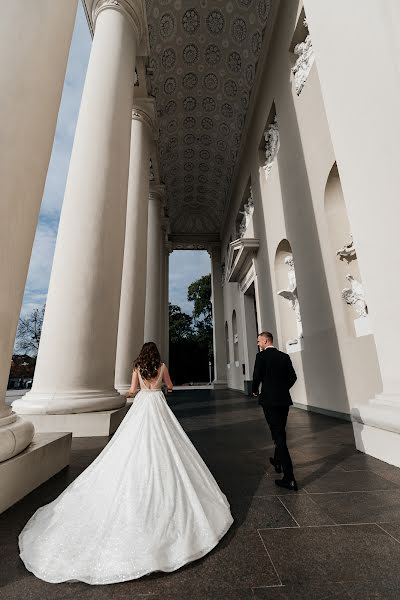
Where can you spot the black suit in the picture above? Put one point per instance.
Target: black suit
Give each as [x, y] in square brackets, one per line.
[274, 370]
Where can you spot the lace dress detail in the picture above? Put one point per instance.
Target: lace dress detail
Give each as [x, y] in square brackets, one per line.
[147, 503]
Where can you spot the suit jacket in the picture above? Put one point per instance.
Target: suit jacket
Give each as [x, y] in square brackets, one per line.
[274, 370]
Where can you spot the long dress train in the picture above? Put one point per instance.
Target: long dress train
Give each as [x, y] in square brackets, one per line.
[147, 503]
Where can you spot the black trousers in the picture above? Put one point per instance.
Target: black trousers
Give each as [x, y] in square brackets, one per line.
[276, 417]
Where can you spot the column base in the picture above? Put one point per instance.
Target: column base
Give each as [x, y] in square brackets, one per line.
[94, 424]
[15, 435]
[47, 455]
[219, 384]
[377, 430]
[123, 388]
[64, 403]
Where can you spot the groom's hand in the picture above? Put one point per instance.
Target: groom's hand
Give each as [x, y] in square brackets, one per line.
[255, 395]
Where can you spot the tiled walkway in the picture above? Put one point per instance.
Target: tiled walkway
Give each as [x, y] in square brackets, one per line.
[337, 538]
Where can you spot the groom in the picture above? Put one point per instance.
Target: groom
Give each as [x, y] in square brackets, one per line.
[274, 370]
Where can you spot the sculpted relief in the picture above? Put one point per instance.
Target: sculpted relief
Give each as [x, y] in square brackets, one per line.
[304, 62]
[247, 213]
[290, 294]
[272, 144]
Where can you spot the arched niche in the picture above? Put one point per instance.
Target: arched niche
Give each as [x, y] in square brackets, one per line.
[288, 301]
[344, 254]
[235, 339]
[227, 349]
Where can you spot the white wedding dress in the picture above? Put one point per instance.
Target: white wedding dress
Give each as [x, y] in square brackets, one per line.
[147, 503]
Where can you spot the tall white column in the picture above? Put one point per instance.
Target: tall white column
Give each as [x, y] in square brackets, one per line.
[76, 360]
[133, 290]
[34, 46]
[358, 66]
[152, 324]
[218, 319]
[166, 306]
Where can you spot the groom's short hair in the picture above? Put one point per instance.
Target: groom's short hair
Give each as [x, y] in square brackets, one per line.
[267, 335]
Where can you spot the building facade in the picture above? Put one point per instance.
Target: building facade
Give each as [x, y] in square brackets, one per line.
[264, 131]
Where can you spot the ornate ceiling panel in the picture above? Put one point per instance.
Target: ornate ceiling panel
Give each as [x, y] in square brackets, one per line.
[203, 59]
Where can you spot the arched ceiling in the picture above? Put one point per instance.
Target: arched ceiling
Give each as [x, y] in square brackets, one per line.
[203, 59]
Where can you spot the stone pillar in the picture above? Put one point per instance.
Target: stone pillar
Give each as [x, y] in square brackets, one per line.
[152, 324]
[218, 320]
[133, 290]
[166, 306]
[358, 67]
[76, 360]
[34, 46]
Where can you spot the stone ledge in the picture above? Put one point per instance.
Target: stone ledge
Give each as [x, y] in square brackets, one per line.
[47, 455]
[91, 424]
[377, 442]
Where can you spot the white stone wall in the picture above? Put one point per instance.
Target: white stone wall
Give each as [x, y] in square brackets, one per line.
[336, 369]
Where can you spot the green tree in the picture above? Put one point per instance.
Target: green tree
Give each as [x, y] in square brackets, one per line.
[180, 324]
[199, 292]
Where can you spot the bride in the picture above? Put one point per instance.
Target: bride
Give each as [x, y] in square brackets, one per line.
[147, 503]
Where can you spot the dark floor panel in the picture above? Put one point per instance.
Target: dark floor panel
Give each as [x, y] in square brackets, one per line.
[332, 553]
[361, 507]
[305, 511]
[355, 481]
[261, 513]
[325, 591]
[387, 589]
[394, 530]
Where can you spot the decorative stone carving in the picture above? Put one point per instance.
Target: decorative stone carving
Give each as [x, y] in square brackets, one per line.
[355, 297]
[304, 62]
[247, 214]
[290, 294]
[348, 252]
[151, 171]
[272, 144]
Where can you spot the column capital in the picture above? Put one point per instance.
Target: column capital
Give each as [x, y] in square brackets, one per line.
[144, 110]
[132, 9]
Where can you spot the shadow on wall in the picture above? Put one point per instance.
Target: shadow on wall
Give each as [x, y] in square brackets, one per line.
[323, 370]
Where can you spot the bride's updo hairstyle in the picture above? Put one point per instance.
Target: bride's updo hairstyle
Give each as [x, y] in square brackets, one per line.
[149, 361]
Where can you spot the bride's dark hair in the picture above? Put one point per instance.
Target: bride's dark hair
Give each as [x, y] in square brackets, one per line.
[149, 361]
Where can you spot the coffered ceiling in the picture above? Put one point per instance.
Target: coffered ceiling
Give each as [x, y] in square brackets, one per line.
[203, 59]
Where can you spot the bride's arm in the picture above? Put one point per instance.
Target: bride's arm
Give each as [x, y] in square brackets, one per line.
[134, 384]
[167, 379]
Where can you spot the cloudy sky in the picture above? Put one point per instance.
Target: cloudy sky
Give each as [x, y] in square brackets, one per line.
[185, 266]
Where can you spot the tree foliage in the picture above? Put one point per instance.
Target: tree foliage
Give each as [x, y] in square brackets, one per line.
[199, 292]
[29, 332]
[180, 324]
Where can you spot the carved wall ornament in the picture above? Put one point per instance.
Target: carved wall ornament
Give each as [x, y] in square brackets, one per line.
[151, 171]
[355, 296]
[272, 144]
[348, 252]
[247, 214]
[304, 62]
[290, 294]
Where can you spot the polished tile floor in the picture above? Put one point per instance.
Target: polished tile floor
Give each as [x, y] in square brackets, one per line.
[338, 537]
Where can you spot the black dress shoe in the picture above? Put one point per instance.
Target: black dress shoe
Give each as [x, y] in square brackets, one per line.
[275, 464]
[289, 484]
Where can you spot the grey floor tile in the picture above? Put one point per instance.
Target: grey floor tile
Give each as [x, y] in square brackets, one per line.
[261, 513]
[331, 553]
[316, 591]
[393, 529]
[355, 481]
[374, 589]
[363, 462]
[305, 511]
[361, 507]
